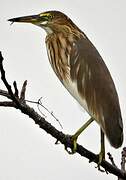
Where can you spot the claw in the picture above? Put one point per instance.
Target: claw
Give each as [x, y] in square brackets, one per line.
[74, 137]
[101, 158]
[73, 142]
[99, 164]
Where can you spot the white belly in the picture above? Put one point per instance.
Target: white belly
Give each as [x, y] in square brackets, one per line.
[72, 88]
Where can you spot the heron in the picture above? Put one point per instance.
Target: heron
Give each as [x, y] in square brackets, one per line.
[81, 69]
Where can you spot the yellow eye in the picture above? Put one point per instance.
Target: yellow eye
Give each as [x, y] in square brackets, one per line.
[50, 16]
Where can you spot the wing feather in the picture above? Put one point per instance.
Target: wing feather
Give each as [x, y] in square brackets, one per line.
[96, 87]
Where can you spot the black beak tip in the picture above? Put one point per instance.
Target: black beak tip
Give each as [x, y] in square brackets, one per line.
[9, 20]
[13, 20]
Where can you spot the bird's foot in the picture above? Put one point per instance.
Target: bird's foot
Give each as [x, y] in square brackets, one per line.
[73, 142]
[73, 138]
[101, 157]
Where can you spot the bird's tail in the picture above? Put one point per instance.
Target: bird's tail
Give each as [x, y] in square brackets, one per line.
[114, 131]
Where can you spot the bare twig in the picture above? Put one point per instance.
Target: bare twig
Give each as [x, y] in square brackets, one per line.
[5, 94]
[61, 137]
[3, 76]
[39, 103]
[15, 88]
[10, 92]
[23, 91]
[111, 159]
[38, 106]
[123, 161]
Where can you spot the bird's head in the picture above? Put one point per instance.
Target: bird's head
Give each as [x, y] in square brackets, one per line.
[51, 21]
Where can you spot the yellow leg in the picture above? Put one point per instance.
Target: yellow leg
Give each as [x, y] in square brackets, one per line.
[102, 151]
[75, 136]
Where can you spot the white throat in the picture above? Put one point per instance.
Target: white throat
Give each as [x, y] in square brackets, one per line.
[46, 28]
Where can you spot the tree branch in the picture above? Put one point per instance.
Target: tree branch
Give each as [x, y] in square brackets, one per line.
[5, 94]
[7, 104]
[19, 103]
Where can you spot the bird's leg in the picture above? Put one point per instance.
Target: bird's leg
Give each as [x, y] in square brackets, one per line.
[102, 151]
[75, 136]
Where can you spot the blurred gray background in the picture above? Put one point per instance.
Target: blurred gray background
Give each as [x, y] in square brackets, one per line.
[26, 151]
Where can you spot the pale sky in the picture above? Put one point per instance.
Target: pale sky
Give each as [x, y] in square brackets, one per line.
[26, 151]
